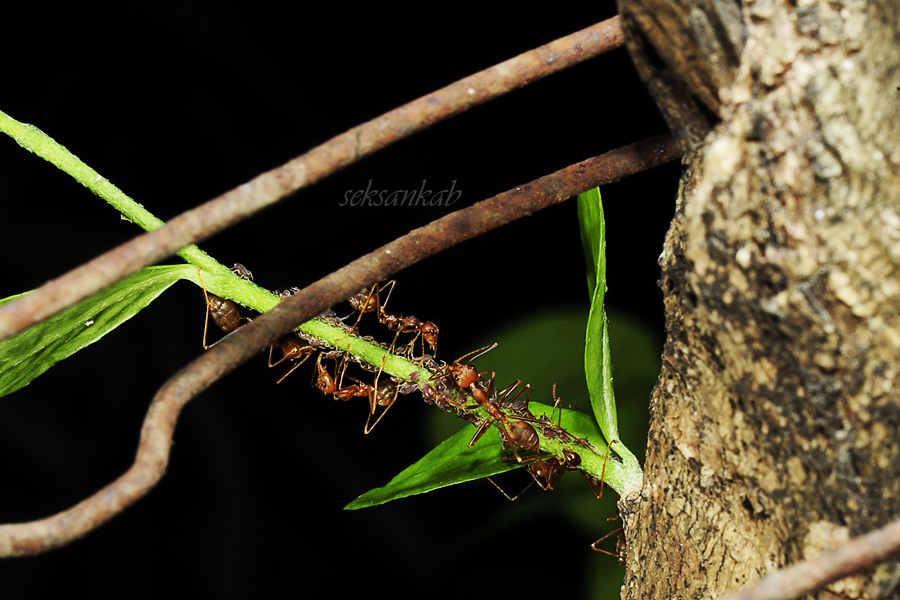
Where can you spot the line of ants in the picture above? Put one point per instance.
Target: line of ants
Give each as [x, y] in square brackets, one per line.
[450, 386]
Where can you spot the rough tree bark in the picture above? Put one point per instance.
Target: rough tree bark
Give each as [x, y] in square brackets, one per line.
[775, 418]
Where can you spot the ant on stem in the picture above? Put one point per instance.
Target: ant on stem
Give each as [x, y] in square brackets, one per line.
[327, 385]
[384, 394]
[226, 314]
[408, 324]
[572, 460]
[514, 433]
[291, 346]
[546, 471]
[291, 349]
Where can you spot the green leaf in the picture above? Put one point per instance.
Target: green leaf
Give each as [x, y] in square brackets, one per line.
[449, 463]
[593, 239]
[597, 364]
[597, 360]
[29, 354]
[452, 461]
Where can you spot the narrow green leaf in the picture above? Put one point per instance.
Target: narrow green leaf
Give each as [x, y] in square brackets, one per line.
[29, 354]
[593, 239]
[597, 364]
[449, 463]
[452, 461]
[597, 360]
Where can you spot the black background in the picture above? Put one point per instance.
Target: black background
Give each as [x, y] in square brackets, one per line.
[180, 101]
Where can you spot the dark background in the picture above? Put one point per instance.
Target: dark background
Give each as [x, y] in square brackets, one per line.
[180, 101]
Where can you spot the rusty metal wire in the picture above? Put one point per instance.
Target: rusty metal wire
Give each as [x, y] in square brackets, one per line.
[326, 159]
[159, 425]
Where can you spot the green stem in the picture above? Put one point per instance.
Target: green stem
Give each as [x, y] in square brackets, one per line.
[216, 278]
[221, 281]
[36, 141]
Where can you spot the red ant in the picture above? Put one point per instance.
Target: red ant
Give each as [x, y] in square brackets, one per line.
[547, 471]
[327, 385]
[408, 324]
[362, 303]
[292, 349]
[515, 433]
[291, 346]
[384, 394]
[518, 433]
[226, 313]
[551, 472]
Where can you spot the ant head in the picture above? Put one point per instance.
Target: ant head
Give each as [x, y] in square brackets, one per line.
[464, 375]
[430, 333]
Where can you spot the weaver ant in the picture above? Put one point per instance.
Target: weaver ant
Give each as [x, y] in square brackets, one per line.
[327, 385]
[293, 349]
[363, 302]
[383, 394]
[516, 433]
[545, 471]
[551, 470]
[226, 314]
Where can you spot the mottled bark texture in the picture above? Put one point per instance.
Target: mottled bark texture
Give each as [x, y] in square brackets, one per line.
[775, 426]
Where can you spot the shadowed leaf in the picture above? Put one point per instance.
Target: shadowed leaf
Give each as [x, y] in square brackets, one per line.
[452, 461]
[27, 355]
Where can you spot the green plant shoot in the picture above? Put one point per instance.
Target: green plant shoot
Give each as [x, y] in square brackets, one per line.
[597, 360]
[24, 357]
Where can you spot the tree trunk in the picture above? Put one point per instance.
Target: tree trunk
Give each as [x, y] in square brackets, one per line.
[774, 423]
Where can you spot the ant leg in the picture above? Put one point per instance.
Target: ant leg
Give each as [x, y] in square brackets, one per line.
[225, 313]
[482, 428]
[610, 534]
[296, 365]
[387, 407]
[382, 316]
[364, 308]
[592, 481]
[275, 364]
[374, 401]
[292, 349]
[390, 348]
[504, 399]
[508, 497]
[206, 298]
[344, 364]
